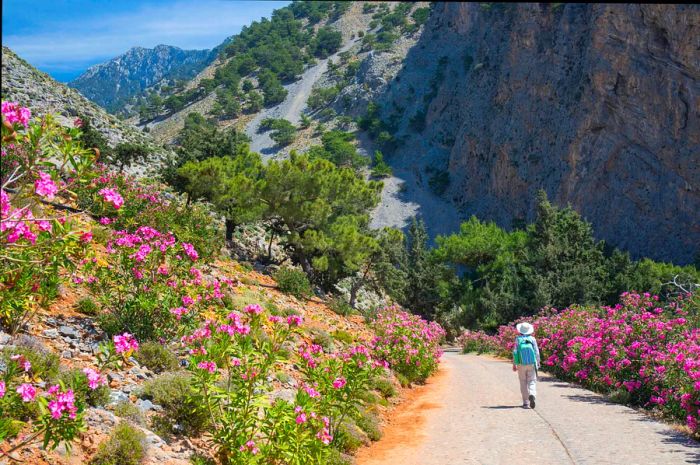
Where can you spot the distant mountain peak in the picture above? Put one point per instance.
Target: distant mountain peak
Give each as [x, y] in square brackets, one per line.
[117, 82]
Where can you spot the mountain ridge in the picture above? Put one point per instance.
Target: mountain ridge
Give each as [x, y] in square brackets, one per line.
[116, 83]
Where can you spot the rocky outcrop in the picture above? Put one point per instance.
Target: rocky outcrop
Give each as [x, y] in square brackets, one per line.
[114, 83]
[596, 104]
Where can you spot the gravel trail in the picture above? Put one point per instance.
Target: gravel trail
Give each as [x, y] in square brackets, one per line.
[291, 108]
[470, 414]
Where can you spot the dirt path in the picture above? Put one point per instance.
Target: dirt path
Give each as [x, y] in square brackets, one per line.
[470, 414]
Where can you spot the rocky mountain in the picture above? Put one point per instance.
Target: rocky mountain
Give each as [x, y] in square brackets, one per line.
[23, 83]
[485, 104]
[115, 83]
[596, 104]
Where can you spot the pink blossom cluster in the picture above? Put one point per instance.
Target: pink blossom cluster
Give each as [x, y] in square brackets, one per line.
[125, 343]
[62, 402]
[95, 379]
[640, 346]
[20, 223]
[44, 186]
[250, 446]
[13, 113]
[110, 195]
[408, 343]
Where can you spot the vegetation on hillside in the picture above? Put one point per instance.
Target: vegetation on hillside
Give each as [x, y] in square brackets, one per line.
[145, 259]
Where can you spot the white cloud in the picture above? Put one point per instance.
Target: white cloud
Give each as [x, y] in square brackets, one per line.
[186, 24]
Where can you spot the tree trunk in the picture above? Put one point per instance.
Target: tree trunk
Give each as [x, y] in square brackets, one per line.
[354, 289]
[269, 246]
[230, 228]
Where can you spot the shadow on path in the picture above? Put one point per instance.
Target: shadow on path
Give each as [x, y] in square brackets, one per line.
[501, 407]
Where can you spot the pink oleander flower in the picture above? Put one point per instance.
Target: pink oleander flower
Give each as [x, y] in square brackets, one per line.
[95, 379]
[22, 362]
[64, 402]
[78, 123]
[190, 251]
[27, 391]
[339, 383]
[112, 196]
[4, 204]
[253, 309]
[44, 186]
[295, 320]
[105, 221]
[313, 393]
[43, 225]
[250, 447]
[187, 300]
[301, 418]
[13, 113]
[274, 319]
[2, 389]
[209, 366]
[178, 312]
[86, 237]
[125, 343]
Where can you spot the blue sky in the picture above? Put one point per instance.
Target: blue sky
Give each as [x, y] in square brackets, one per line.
[65, 37]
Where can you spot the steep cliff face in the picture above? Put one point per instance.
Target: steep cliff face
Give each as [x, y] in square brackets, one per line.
[113, 84]
[596, 104]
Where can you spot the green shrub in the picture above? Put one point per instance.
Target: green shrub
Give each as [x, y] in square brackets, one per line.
[349, 438]
[294, 282]
[283, 377]
[156, 357]
[403, 381]
[380, 169]
[340, 306]
[369, 423]
[129, 412]
[343, 336]
[171, 390]
[125, 446]
[420, 15]
[44, 363]
[322, 338]
[369, 397]
[87, 306]
[78, 382]
[385, 386]
[199, 459]
[335, 457]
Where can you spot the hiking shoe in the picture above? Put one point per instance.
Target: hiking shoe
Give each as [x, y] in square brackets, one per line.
[525, 406]
[532, 401]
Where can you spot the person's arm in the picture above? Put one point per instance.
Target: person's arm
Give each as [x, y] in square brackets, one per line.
[515, 355]
[537, 352]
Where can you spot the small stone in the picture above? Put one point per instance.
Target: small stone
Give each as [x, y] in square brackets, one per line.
[51, 333]
[113, 376]
[4, 338]
[68, 331]
[67, 354]
[117, 396]
[145, 405]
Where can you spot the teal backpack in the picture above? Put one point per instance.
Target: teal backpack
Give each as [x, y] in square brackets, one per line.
[524, 351]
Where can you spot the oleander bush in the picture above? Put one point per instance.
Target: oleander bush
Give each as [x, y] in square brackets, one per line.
[408, 343]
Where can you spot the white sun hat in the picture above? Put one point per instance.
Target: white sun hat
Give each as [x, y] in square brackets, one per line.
[525, 328]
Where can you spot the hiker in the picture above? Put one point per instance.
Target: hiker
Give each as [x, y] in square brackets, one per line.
[526, 361]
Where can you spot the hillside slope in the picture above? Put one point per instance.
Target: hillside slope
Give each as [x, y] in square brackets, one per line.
[114, 83]
[23, 83]
[597, 105]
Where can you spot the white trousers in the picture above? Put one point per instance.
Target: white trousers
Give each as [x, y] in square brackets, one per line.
[528, 381]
